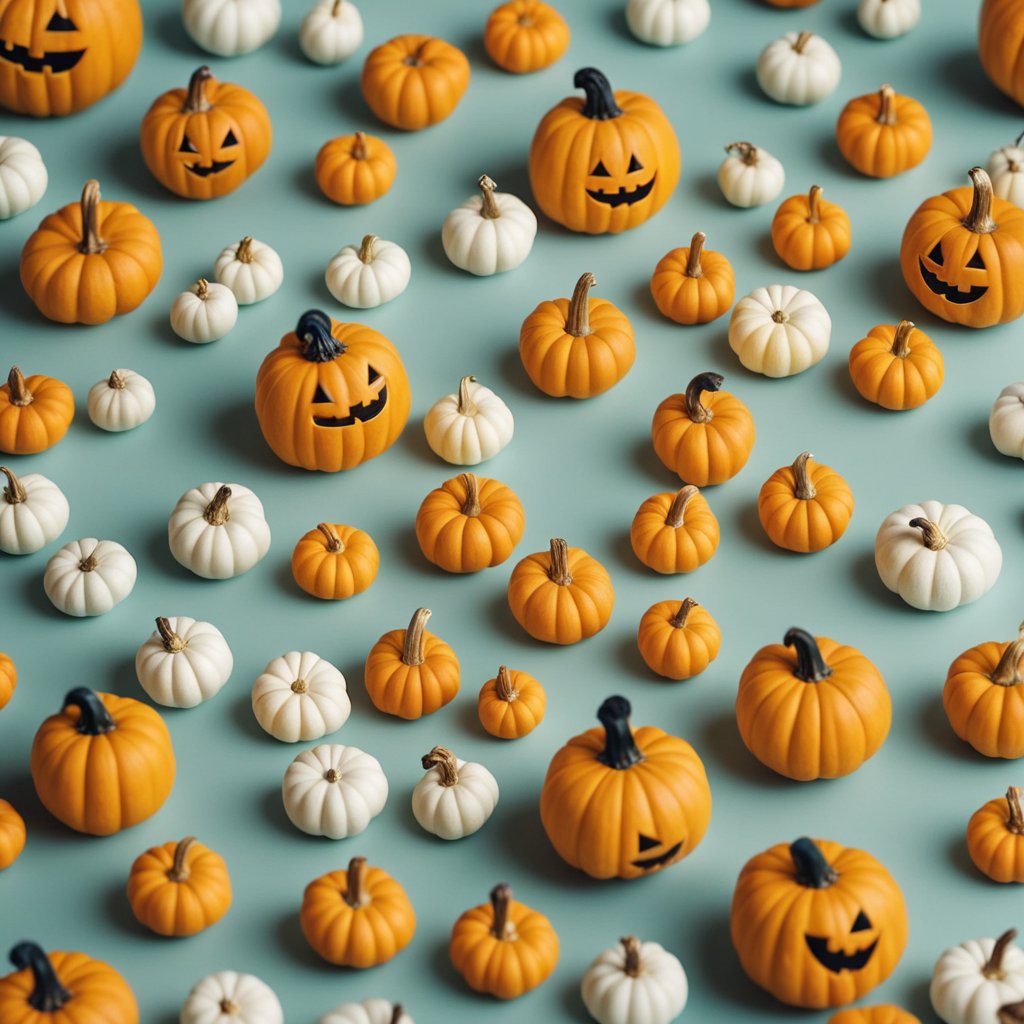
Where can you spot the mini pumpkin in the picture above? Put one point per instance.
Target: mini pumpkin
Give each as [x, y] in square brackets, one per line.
[525, 35]
[780, 330]
[667, 22]
[1006, 169]
[884, 134]
[331, 31]
[489, 233]
[33, 512]
[678, 639]
[1000, 43]
[369, 274]
[455, 797]
[470, 426]
[300, 696]
[184, 662]
[12, 835]
[635, 983]
[89, 577]
[896, 366]
[799, 68]
[691, 285]
[334, 561]
[884, 1013]
[122, 401]
[674, 532]
[229, 997]
[204, 313]
[356, 169]
[512, 704]
[369, 1011]
[995, 837]
[888, 19]
[1006, 421]
[229, 28]
[251, 269]
[35, 412]
[8, 679]
[23, 176]
[750, 175]
[971, 982]
[809, 233]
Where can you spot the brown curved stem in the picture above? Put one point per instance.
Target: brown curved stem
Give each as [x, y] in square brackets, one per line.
[802, 40]
[14, 492]
[901, 339]
[336, 9]
[678, 621]
[804, 487]
[1008, 671]
[695, 411]
[503, 687]
[217, 513]
[631, 949]
[179, 870]
[466, 405]
[979, 220]
[17, 389]
[91, 243]
[1015, 819]
[172, 641]
[934, 538]
[331, 538]
[577, 320]
[693, 267]
[355, 886]
[1011, 1013]
[677, 510]
[814, 205]
[558, 570]
[993, 967]
[88, 564]
[358, 150]
[202, 289]
[412, 648]
[366, 249]
[471, 506]
[196, 101]
[490, 208]
[397, 1011]
[244, 251]
[746, 151]
[501, 928]
[886, 105]
[444, 760]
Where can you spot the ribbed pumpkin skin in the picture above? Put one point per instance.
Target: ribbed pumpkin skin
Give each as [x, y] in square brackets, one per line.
[670, 549]
[12, 835]
[678, 651]
[335, 575]
[525, 35]
[893, 381]
[352, 180]
[805, 524]
[805, 245]
[511, 719]
[693, 300]
[884, 150]
[1001, 44]
[995, 841]
[32, 428]
[8, 679]
[885, 1013]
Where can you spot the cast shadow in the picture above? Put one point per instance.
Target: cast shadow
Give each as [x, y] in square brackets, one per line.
[980, 442]
[433, 252]
[959, 857]
[510, 367]
[748, 526]
[720, 743]
[919, 1000]
[627, 657]
[123, 163]
[243, 717]
[834, 161]
[843, 387]
[707, 189]
[35, 596]
[158, 551]
[521, 837]
[119, 912]
[572, 1004]
[234, 428]
[502, 620]
[413, 441]
[445, 973]
[620, 548]
[355, 111]
[16, 302]
[643, 304]
[644, 458]
[961, 71]
[273, 813]
[747, 84]
[616, 22]
[291, 941]
[407, 549]
[866, 579]
[939, 733]
[170, 30]
[20, 791]
[889, 292]
[304, 182]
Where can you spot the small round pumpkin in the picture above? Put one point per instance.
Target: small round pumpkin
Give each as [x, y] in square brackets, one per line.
[674, 532]
[35, 412]
[356, 169]
[8, 679]
[635, 983]
[301, 696]
[121, 401]
[749, 175]
[798, 68]
[995, 837]
[469, 426]
[330, 32]
[884, 1013]
[204, 312]
[12, 835]
[23, 176]
[1000, 43]
[888, 19]
[335, 561]
[896, 366]
[230, 997]
[512, 704]
[369, 274]
[455, 798]
[693, 285]
[33, 512]
[368, 1011]
[979, 980]
[883, 133]
[525, 35]
[1005, 421]
[250, 268]
[183, 662]
[678, 640]
[809, 233]
[1005, 167]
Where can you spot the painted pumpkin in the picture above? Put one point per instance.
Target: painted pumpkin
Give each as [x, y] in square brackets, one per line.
[896, 366]
[885, 1013]
[674, 532]
[8, 679]
[1001, 44]
[809, 233]
[995, 837]
[352, 381]
[884, 134]
[525, 35]
[12, 835]
[356, 169]
[606, 163]
[693, 285]
[335, 561]
[512, 704]
[35, 412]
[678, 640]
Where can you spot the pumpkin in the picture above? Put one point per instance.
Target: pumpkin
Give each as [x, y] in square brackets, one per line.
[812, 708]
[23, 176]
[251, 269]
[334, 791]
[809, 233]
[525, 35]
[994, 837]
[455, 797]
[817, 924]
[798, 68]
[300, 696]
[369, 274]
[414, 81]
[888, 19]
[971, 981]
[360, 917]
[622, 803]
[179, 888]
[103, 763]
[937, 556]
[635, 983]
[512, 704]
[411, 672]
[35, 412]
[229, 28]
[1011, 1013]
[1006, 169]
[489, 233]
[356, 169]
[33, 512]
[204, 313]
[369, 1011]
[91, 261]
[331, 31]
[1005, 422]
[470, 426]
[667, 22]
[674, 532]
[60, 58]
[578, 347]
[678, 639]
[749, 175]
[503, 948]
[691, 285]
[606, 163]
[335, 561]
[122, 401]
[183, 662]
[89, 577]
[896, 366]
[12, 835]
[229, 997]
[884, 1013]
[352, 380]
[8, 679]
[884, 134]
[1000, 41]
[704, 434]
[962, 255]
[780, 330]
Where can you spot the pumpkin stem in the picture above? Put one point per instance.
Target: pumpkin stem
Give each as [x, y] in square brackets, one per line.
[993, 967]
[358, 150]
[444, 760]
[814, 205]
[501, 927]
[397, 1011]
[336, 9]
[229, 1007]
[620, 749]
[48, 994]
[88, 564]
[172, 641]
[1011, 1013]
[695, 411]
[600, 103]
[979, 220]
[1020, 138]
[179, 870]
[678, 621]
[811, 666]
[302, 686]
[366, 247]
[17, 389]
[202, 289]
[244, 251]
[934, 538]
[801, 41]
[631, 949]
[887, 105]
[804, 487]
[503, 687]
[196, 101]
[746, 151]
[218, 512]
[471, 506]
[14, 492]
[677, 510]
[466, 407]
[331, 538]
[318, 344]
[94, 718]
[1015, 819]
[116, 382]
[558, 570]
[693, 267]
[812, 870]
[1008, 671]
[577, 320]
[412, 648]
[490, 209]
[355, 882]
[901, 339]
[91, 243]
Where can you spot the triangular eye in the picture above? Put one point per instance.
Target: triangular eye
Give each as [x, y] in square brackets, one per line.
[322, 396]
[229, 139]
[646, 842]
[936, 254]
[976, 261]
[58, 23]
[600, 171]
[371, 374]
[862, 924]
[634, 165]
[186, 145]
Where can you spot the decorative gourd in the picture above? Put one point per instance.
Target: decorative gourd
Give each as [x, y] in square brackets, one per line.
[126, 781]
[512, 704]
[888, 19]
[218, 530]
[884, 1013]
[184, 662]
[35, 412]
[91, 260]
[970, 982]
[693, 285]
[674, 532]
[704, 434]
[1006, 421]
[360, 917]
[8, 679]
[331, 31]
[1000, 42]
[678, 640]
[883, 133]
[798, 68]
[369, 274]
[335, 561]
[455, 798]
[606, 163]
[89, 577]
[578, 347]
[962, 255]
[204, 313]
[667, 22]
[635, 983]
[300, 696]
[352, 380]
[749, 175]
[1006, 169]
[23, 176]
[503, 948]
[469, 523]
[937, 556]
[470, 426]
[817, 924]
[489, 233]
[779, 330]
[179, 888]
[414, 81]
[229, 28]
[334, 791]
[995, 837]
[897, 366]
[251, 269]
[809, 233]
[12, 835]
[229, 997]
[411, 672]
[630, 825]
[525, 35]
[33, 512]
[369, 1011]
[353, 170]
[122, 401]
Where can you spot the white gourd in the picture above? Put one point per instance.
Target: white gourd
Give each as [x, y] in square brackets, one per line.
[229, 997]
[33, 512]
[1006, 169]
[23, 176]
[1006, 421]
[750, 176]
[799, 68]
[204, 313]
[635, 983]
[489, 233]
[122, 401]
[331, 31]
[667, 22]
[779, 330]
[455, 798]
[251, 269]
[970, 982]
[888, 19]
[300, 696]
[369, 1011]
[89, 577]
[370, 274]
[231, 27]
[469, 426]
[183, 662]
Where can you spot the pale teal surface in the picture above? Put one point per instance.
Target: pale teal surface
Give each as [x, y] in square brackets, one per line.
[581, 469]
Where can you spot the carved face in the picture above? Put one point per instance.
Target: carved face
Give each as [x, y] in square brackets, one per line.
[965, 286]
[193, 158]
[850, 952]
[359, 405]
[632, 185]
[654, 853]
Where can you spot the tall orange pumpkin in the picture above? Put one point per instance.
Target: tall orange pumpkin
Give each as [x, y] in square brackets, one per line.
[35, 412]
[1001, 45]
[8, 678]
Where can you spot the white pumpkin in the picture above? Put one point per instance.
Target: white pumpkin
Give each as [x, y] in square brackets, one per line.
[470, 426]
[455, 798]
[1006, 169]
[334, 790]
[218, 530]
[799, 68]
[667, 22]
[970, 982]
[251, 269]
[368, 275]
[89, 577]
[33, 512]
[635, 983]
[331, 32]
[937, 556]
[122, 401]
[887, 19]
[300, 696]
[369, 1011]
[184, 662]
[1005, 422]
[23, 177]
[749, 175]
[489, 233]
[204, 313]
[229, 997]
[231, 27]
[779, 330]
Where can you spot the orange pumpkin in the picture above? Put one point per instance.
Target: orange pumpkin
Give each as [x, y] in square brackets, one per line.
[678, 640]
[525, 35]
[12, 835]
[561, 595]
[179, 888]
[896, 366]
[204, 141]
[885, 1013]
[706, 434]
[8, 679]
[693, 285]
[576, 347]
[335, 561]
[35, 412]
[355, 169]
[995, 837]
[103, 763]
[511, 704]
[359, 917]
[469, 523]
[809, 233]
[414, 81]
[1001, 44]
[91, 260]
[884, 134]
[674, 532]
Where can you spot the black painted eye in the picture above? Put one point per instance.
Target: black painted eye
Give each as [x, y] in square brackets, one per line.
[322, 396]
[634, 165]
[186, 145]
[61, 24]
[600, 171]
[936, 254]
[229, 139]
[371, 375]
[862, 924]
[976, 261]
[647, 842]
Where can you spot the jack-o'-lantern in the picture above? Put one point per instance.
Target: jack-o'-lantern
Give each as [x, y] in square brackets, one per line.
[606, 163]
[351, 380]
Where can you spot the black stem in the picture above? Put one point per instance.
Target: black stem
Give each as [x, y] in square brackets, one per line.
[810, 664]
[620, 749]
[318, 344]
[1020, 138]
[48, 994]
[812, 870]
[94, 719]
[600, 103]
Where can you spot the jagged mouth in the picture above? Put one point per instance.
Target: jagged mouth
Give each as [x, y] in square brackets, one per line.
[836, 962]
[950, 292]
[624, 196]
[650, 863]
[205, 170]
[362, 412]
[57, 62]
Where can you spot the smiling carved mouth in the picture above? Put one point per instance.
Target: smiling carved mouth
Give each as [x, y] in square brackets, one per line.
[650, 863]
[57, 62]
[363, 411]
[205, 170]
[623, 196]
[950, 292]
[836, 962]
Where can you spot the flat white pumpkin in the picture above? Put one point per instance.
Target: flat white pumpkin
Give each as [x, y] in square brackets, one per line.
[229, 997]
[334, 790]
[369, 1011]
[218, 530]
[23, 177]
[1006, 169]
[970, 982]
[779, 330]
[331, 31]
[33, 512]
[1005, 422]
[635, 983]
[799, 68]
[888, 19]
[370, 274]
[489, 233]
[122, 401]
[89, 577]
[469, 426]
[300, 696]
[231, 27]
[667, 22]
[455, 798]
[749, 175]
[937, 556]
[184, 662]
[251, 269]
[204, 313]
